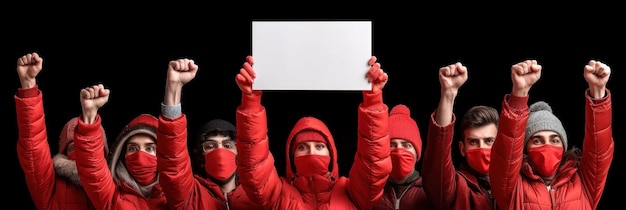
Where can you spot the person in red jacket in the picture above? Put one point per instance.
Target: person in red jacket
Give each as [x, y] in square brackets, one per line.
[532, 168]
[312, 180]
[404, 189]
[468, 186]
[53, 183]
[215, 185]
[131, 180]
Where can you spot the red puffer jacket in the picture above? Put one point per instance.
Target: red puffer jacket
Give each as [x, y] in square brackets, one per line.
[181, 187]
[578, 183]
[48, 190]
[105, 190]
[368, 174]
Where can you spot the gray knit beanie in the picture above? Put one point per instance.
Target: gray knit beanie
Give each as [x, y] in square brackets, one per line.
[542, 119]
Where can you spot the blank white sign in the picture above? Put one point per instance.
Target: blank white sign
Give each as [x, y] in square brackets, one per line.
[311, 55]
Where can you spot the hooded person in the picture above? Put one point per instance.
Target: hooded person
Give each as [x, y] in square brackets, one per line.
[65, 159]
[53, 183]
[403, 189]
[312, 178]
[206, 178]
[531, 165]
[131, 178]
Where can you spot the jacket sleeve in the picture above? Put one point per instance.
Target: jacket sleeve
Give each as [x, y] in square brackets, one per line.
[173, 162]
[372, 163]
[507, 153]
[255, 165]
[33, 150]
[439, 175]
[598, 146]
[91, 164]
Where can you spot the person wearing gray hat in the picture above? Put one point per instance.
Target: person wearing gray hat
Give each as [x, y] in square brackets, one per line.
[531, 166]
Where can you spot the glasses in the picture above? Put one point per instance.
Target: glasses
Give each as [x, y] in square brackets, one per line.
[210, 145]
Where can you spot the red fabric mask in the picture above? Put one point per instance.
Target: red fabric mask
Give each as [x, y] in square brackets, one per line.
[143, 167]
[312, 164]
[403, 163]
[545, 159]
[72, 155]
[479, 159]
[220, 163]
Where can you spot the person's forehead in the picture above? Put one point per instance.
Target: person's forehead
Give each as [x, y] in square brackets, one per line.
[218, 138]
[401, 141]
[141, 140]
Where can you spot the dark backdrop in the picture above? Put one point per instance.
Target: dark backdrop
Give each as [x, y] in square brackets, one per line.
[127, 48]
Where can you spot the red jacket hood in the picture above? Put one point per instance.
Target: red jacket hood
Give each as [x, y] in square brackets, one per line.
[312, 123]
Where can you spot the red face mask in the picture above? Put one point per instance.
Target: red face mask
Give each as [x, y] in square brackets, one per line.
[312, 164]
[72, 155]
[403, 163]
[545, 159]
[220, 163]
[143, 167]
[478, 159]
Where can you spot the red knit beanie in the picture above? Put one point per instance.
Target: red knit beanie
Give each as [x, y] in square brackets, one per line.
[306, 135]
[402, 126]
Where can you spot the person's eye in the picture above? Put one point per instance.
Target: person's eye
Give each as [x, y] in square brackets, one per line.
[301, 147]
[320, 146]
[408, 145]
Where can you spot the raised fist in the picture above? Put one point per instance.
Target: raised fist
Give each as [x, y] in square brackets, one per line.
[452, 77]
[181, 71]
[94, 97]
[597, 75]
[246, 77]
[524, 75]
[28, 66]
[376, 75]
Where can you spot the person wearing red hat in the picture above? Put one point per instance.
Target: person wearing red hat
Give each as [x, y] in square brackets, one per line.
[465, 187]
[313, 180]
[130, 180]
[532, 167]
[404, 189]
[54, 182]
[210, 182]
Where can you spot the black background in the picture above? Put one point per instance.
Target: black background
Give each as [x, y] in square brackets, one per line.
[128, 47]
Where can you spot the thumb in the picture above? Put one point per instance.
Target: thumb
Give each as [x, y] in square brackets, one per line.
[105, 92]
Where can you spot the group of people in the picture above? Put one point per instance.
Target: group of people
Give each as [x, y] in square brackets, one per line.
[515, 158]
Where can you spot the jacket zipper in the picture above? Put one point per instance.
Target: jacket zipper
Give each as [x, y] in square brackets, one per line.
[226, 200]
[398, 198]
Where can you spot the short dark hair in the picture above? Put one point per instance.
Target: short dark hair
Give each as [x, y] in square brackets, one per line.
[478, 116]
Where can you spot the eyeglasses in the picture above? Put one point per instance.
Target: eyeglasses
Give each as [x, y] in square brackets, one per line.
[210, 145]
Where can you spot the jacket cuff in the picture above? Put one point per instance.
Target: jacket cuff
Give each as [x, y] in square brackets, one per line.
[517, 102]
[373, 100]
[171, 112]
[250, 102]
[28, 92]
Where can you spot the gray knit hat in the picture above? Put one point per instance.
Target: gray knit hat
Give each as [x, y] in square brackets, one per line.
[542, 119]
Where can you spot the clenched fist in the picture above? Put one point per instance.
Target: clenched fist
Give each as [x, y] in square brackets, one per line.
[597, 75]
[91, 99]
[181, 71]
[452, 77]
[28, 66]
[524, 75]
